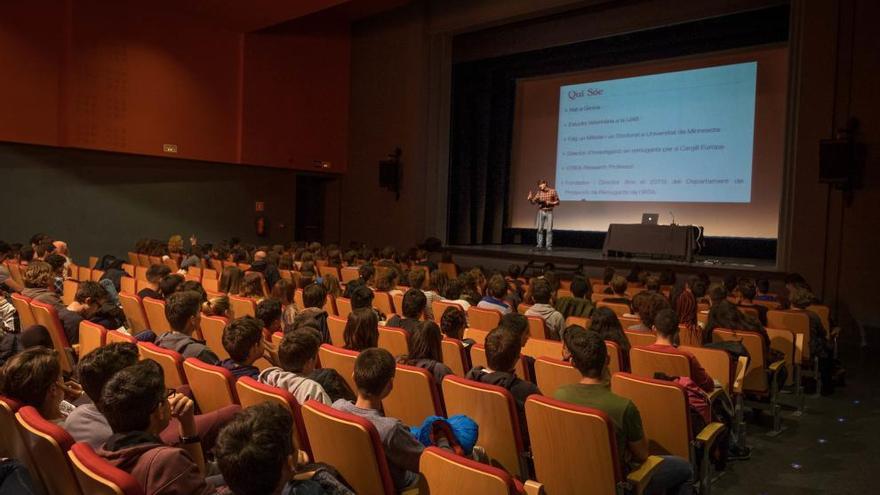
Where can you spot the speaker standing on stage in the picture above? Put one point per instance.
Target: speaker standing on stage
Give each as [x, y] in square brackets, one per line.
[546, 199]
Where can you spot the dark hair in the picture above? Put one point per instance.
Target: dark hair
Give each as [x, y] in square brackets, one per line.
[180, 307]
[666, 322]
[502, 349]
[131, 396]
[453, 322]
[314, 296]
[717, 293]
[252, 448]
[763, 285]
[580, 288]
[373, 369]
[424, 342]
[168, 285]
[730, 282]
[497, 286]
[361, 297]
[588, 351]
[541, 291]
[56, 261]
[252, 285]
[268, 311]
[607, 275]
[746, 289]
[284, 291]
[230, 280]
[366, 272]
[90, 290]
[618, 284]
[652, 283]
[416, 278]
[240, 336]
[97, 367]
[155, 273]
[438, 281]
[297, 348]
[453, 289]
[697, 286]
[516, 323]
[361, 329]
[414, 302]
[193, 286]
[28, 375]
[649, 305]
[604, 322]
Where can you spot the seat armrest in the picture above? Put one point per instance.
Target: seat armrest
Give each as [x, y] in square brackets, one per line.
[709, 434]
[532, 487]
[775, 367]
[715, 394]
[741, 365]
[640, 478]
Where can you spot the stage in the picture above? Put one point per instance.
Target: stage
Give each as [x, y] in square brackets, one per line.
[499, 256]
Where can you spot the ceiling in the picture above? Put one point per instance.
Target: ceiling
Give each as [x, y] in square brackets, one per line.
[252, 15]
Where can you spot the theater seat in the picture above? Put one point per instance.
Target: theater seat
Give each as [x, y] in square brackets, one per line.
[170, 361]
[23, 308]
[394, 340]
[212, 331]
[455, 356]
[96, 476]
[212, 386]
[415, 396]
[483, 319]
[444, 472]
[339, 359]
[46, 315]
[155, 311]
[439, 307]
[552, 373]
[336, 327]
[251, 392]
[91, 337]
[242, 306]
[48, 444]
[537, 327]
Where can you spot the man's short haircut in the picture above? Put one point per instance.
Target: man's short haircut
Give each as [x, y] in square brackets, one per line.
[497, 286]
[314, 296]
[414, 302]
[666, 322]
[588, 351]
[56, 261]
[38, 275]
[155, 273]
[252, 449]
[131, 396]
[503, 348]
[366, 272]
[516, 323]
[28, 376]
[653, 283]
[717, 293]
[541, 291]
[580, 287]
[373, 369]
[268, 311]
[180, 307]
[168, 285]
[96, 368]
[416, 278]
[297, 348]
[649, 305]
[362, 297]
[763, 285]
[618, 285]
[453, 322]
[240, 336]
[453, 289]
[90, 290]
[747, 288]
[801, 297]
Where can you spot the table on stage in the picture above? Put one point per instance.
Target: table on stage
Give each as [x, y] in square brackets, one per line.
[672, 241]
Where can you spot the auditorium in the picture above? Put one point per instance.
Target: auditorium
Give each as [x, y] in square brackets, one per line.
[439, 247]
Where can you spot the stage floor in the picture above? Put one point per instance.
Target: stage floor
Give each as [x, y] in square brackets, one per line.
[517, 253]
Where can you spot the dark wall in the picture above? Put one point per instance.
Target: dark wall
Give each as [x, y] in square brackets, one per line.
[101, 203]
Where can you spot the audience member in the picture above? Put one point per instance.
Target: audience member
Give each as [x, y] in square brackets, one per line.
[618, 289]
[155, 274]
[284, 292]
[243, 341]
[183, 315]
[747, 292]
[666, 328]
[452, 324]
[607, 325]
[650, 304]
[414, 306]
[314, 298]
[579, 303]
[554, 322]
[361, 330]
[92, 303]
[269, 313]
[169, 284]
[297, 355]
[494, 299]
[453, 294]
[230, 280]
[33, 378]
[39, 286]
[425, 350]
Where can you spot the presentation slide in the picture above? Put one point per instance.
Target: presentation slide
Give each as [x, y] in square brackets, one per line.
[684, 136]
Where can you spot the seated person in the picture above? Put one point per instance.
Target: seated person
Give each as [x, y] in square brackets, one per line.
[589, 355]
[496, 289]
[243, 341]
[418, 280]
[183, 315]
[169, 284]
[297, 355]
[762, 287]
[652, 284]
[747, 292]
[269, 313]
[362, 297]
[579, 303]
[256, 456]
[39, 284]
[716, 294]
[607, 325]
[452, 324]
[362, 330]
[553, 320]
[138, 407]
[314, 298]
[618, 288]
[87, 424]
[155, 274]
[91, 303]
[33, 378]
[374, 376]
[503, 350]
[414, 303]
[649, 305]
[425, 350]
[57, 262]
[366, 273]
[666, 327]
[820, 337]
[453, 292]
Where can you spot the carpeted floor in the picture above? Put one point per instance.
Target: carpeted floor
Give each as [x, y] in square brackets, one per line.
[833, 447]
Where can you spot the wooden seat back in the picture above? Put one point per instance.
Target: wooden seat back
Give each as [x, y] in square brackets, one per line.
[242, 306]
[46, 315]
[646, 362]
[619, 309]
[439, 307]
[96, 476]
[339, 359]
[444, 472]
[22, 306]
[212, 386]
[212, 331]
[552, 373]
[68, 293]
[48, 444]
[756, 378]
[796, 321]
[91, 337]
[640, 338]
[170, 361]
[454, 356]
[716, 362]
[155, 311]
[664, 410]
[483, 319]
[475, 334]
[537, 347]
[383, 302]
[343, 307]
[336, 327]
[394, 340]
[414, 396]
[251, 392]
[537, 327]
[134, 311]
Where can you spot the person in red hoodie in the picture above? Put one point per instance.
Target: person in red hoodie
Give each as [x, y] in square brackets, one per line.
[666, 327]
[138, 407]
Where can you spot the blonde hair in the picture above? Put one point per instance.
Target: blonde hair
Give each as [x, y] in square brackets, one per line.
[216, 306]
[38, 275]
[175, 243]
